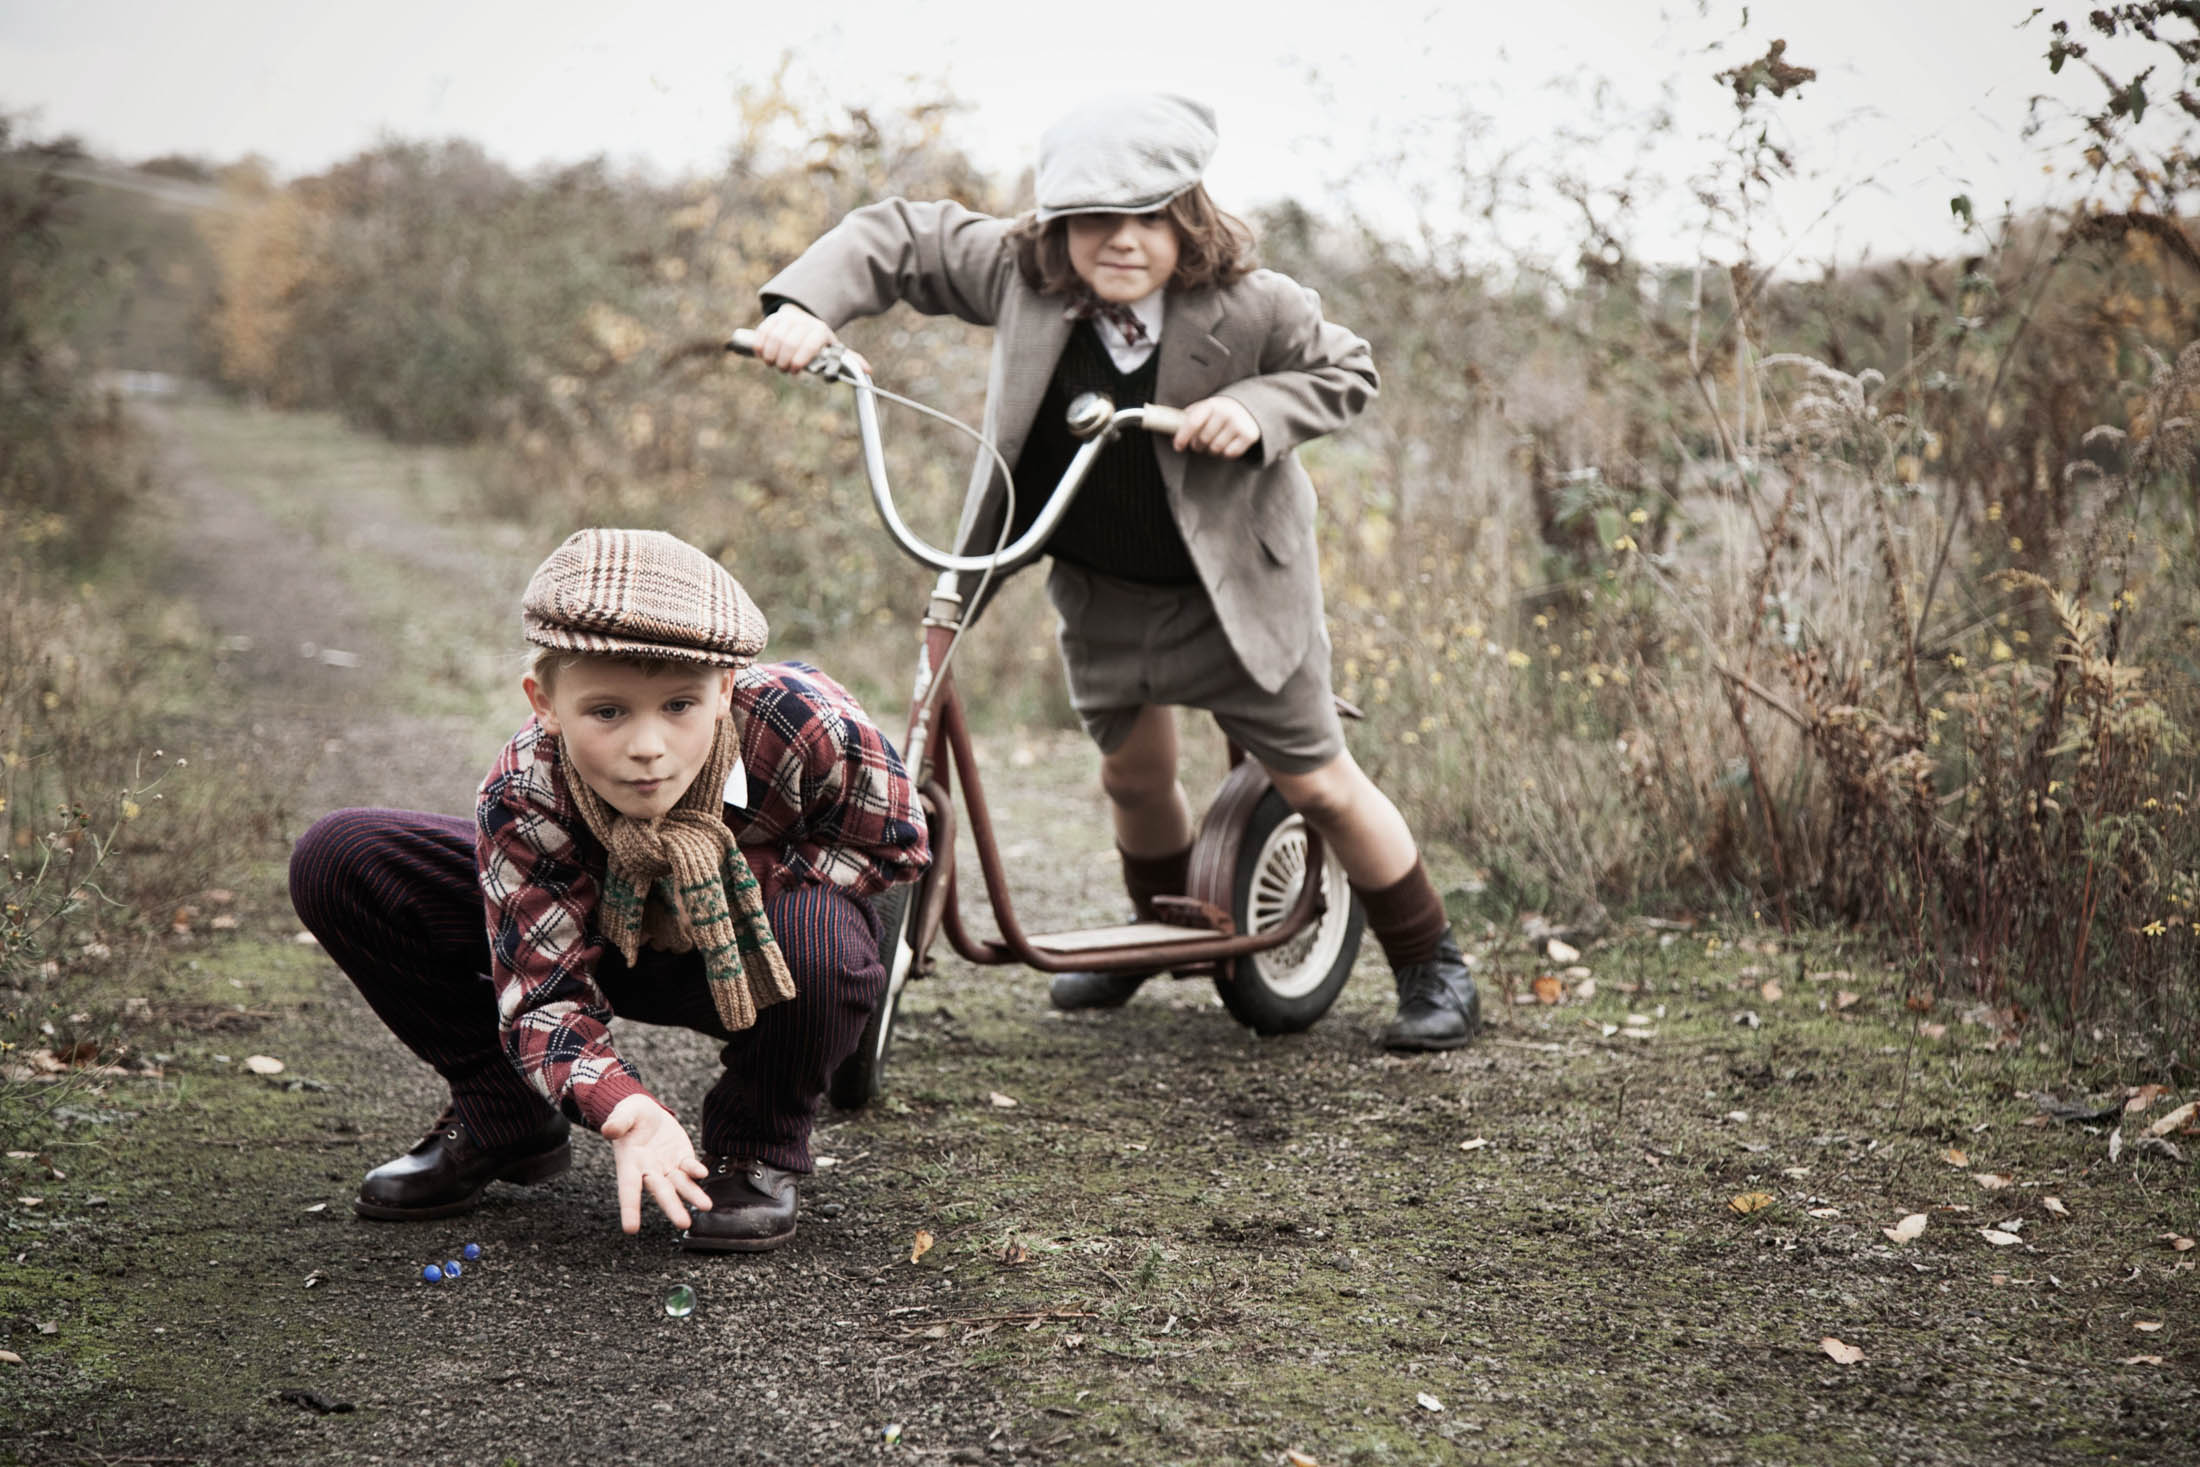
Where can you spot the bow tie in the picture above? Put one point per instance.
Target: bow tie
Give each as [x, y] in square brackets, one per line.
[1089, 306]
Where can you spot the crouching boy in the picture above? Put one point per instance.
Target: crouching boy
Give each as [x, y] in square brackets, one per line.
[677, 836]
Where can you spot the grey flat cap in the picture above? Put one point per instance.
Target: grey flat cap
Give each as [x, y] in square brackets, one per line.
[1124, 154]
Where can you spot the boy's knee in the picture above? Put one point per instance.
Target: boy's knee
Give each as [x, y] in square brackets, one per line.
[1322, 795]
[326, 859]
[826, 936]
[1137, 785]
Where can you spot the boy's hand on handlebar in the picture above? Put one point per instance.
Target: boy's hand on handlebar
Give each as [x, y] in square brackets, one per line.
[649, 1148]
[791, 338]
[1218, 425]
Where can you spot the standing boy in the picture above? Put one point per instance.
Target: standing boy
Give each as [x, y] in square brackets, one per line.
[1185, 575]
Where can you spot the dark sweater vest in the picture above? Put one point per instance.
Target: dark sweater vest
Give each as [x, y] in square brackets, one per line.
[1120, 525]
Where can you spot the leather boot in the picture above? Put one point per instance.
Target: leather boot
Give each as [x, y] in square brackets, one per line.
[1071, 991]
[1144, 878]
[1438, 1005]
[449, 1170]
[751, 1208]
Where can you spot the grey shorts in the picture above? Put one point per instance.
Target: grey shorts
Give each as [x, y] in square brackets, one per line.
[1128, 646]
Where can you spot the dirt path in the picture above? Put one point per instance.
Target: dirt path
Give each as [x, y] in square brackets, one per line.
[1179, 1243]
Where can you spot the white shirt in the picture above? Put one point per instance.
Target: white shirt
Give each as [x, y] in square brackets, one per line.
[1129, 358]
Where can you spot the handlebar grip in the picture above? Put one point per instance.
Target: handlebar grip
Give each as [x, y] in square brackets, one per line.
[742, 342]
[1158, 419]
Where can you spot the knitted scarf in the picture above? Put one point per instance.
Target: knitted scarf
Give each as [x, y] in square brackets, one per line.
[670, 880]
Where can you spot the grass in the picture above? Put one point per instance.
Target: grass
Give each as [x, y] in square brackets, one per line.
[1229, 1246]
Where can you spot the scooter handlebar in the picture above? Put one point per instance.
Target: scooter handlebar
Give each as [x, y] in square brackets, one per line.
[1093, 418]
[1155, 418]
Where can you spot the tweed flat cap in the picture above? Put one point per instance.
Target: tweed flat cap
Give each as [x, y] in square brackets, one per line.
[1123, 154]
[640, 593]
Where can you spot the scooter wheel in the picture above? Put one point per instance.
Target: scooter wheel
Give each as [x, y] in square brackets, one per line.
[857, 1082]
[1287, 988]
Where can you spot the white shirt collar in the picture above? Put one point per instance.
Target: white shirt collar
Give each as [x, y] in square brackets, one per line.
[1149, 309]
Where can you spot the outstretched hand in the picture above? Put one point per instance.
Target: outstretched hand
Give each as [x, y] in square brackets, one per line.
[649, 1148]
[1221, 426]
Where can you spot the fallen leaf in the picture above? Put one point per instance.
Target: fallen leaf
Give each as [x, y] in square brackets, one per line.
[2178, 1117]
[318, 1207]
[1749, 1202]
[1297, 1458]
[1772, 990]
[1561, 953]
[2055, 1205]
[999, 1101]
[1547, 989]
[921, 1246]
[1842, 1354]
[1844, 999]
[1073, 1342]
[1585, 990]
[1423, 1399]
[263, 1064]
[1955, 1157]
[305, 939]
[2140, 1360]
[2142, 1097]
[1015, 1252]
[1906, 1230]
[2146, 1326]
[1999, 1238]
[1637, 1031]
[2115, 1143]
[1474, 1144]
[1933, 1031]
[1825, 1212]
[2178, 1242]
[9, 1357]
[1738, 1117]
[223, 922]
[1992, 1181]
[1831, 975]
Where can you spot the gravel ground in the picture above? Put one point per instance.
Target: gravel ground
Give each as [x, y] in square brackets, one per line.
[1153, 1237]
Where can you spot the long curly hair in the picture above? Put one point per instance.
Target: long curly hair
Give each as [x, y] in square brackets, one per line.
[1213, 247]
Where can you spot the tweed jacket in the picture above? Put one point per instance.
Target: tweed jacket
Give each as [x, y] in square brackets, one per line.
[1249, 522]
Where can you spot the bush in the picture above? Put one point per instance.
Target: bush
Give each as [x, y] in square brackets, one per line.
[1700, 586]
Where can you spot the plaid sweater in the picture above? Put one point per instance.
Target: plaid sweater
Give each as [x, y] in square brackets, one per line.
[828, 802]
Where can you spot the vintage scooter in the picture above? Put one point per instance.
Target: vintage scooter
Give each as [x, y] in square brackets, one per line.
[1279, 946]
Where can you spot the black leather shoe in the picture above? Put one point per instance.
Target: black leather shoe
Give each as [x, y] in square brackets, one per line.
[1438, 1005]
[751, 1208]
[449, 1170]
[1071, 991]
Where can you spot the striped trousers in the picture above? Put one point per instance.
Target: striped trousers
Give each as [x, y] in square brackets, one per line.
[393, 898]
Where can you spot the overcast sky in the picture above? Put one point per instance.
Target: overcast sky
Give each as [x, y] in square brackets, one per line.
[1916, 100]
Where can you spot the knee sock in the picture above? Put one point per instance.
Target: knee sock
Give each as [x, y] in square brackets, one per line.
[1146, 877]
[1407, 917]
